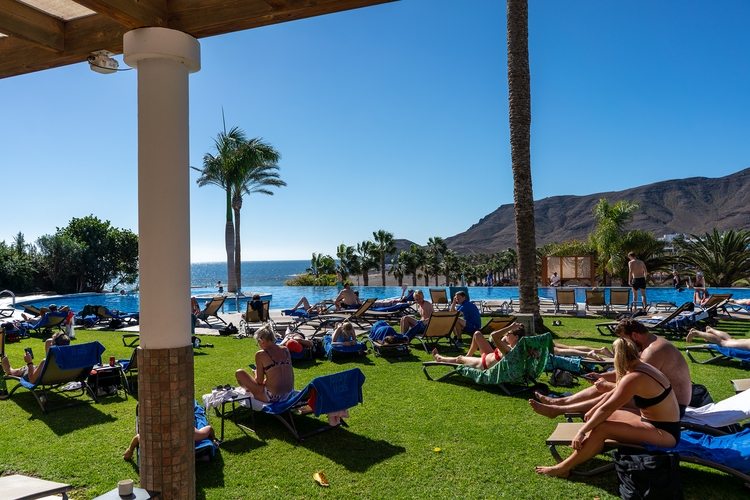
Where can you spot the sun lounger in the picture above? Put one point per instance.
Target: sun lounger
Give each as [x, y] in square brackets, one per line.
[129, 369]
[741, 384]
[521, 367]
[439, 299]
[326, 321]
[63, 365]
[715, 303]
[596, 302]
[332, 394]
[376, 338]
[717, 353]
[566, 299]
[489, 307]
[114, 319]
[673, 325]
[497, 323]
[48, 323]
[212, 310]
[440, 327]
[19, 487]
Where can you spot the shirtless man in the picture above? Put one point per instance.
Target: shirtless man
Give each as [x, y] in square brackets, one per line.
[723, 339]
[656, 351]
[637, 273]
[345, 298]
[425, 309]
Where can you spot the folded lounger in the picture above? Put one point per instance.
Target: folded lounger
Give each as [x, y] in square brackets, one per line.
[717, 353]
[63, 364]
[330, 394]
[520, 367]
[729, 453]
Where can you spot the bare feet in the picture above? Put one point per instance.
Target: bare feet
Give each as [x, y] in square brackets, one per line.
[552, 471]
[603, 351]
[546, 399]
[594, 355]
[128, 454]
[690, 335]
[544, 410]
[437, 356]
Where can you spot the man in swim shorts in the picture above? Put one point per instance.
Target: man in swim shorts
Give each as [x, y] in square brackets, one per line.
[637, 272]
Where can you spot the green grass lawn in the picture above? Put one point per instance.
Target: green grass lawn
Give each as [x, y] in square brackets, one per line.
[489, 442]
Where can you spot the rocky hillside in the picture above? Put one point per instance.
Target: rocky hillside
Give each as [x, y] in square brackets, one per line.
[691, 206]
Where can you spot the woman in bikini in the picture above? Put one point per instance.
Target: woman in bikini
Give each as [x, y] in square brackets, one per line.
[273, 379]
[344, 334]
[489, 357]
[650, 391]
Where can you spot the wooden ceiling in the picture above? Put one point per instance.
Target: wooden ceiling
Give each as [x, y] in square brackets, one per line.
[42, 34]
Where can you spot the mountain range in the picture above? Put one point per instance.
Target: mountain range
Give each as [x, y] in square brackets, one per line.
[690, 206]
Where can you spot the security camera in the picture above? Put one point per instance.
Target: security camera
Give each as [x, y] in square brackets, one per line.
[101, 61]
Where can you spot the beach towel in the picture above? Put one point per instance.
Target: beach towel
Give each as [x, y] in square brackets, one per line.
[380, 330]
[572, 364]
[524, 363]
[75, 356]
[200, 422]
[337, 392]
[730, 352]
[732, 450]
[359, 347]
[726, 412]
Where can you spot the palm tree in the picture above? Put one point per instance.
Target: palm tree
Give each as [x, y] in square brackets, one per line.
[724, 258]
[385, 244]
[368, 259]
[436, 249]
[420, 262]
[450, 263]
[610, 232]
[519, 110]
[348, 261]
[398, 269]
[221, 170]
[410, 265]
[257, 171]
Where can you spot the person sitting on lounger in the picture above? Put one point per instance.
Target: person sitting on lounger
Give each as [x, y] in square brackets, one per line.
[658, 423]
[206, 432]
[344, 334]
[723, 339]
[29, 372]
[489, 357]
[346, 298]
[195, 307]
[471, 321]
[318, 307]
[45, 310]
[273, 379]
[425, 309]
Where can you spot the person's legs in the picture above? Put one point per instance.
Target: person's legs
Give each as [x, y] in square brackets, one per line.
[459, 328]
[710, 335]
[131, 448]
[18, 372]
[643, 296]
[461, 360]
[407, 322]
[587, 394]
[247, 382]
[479, 342]
[302, 303]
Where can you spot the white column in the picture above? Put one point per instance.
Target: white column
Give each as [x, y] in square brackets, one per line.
[164, 58]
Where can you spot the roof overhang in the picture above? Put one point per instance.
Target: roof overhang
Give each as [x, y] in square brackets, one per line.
[43, 34]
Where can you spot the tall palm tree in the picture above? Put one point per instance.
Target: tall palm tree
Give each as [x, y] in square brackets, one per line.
[221, 170]
[519, 110]
[368, 259]
[257, 171]
[348, 261]
[385, 244]
[420, 261]
[436, 249]
[398, 269]
[410, 265]
[450, 264]
[610, 233]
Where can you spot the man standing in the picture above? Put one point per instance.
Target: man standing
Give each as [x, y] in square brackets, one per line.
[637, 273]
[471, 321]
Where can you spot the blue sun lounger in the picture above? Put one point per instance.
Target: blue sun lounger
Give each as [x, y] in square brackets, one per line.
[718, 353]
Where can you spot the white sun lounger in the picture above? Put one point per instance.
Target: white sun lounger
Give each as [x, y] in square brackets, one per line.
[19, 487]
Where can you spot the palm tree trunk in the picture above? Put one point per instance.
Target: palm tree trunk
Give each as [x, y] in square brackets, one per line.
[519, 104]
[366, 277]
[237, 250]
[382, 268]
[229, 243]
[414, 279]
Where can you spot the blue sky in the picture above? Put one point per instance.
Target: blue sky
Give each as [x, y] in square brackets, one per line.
[395, 117]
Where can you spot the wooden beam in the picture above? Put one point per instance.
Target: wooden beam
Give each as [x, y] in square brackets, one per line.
[215, 17]
[276, 4]
[21, 21]
[129, 13]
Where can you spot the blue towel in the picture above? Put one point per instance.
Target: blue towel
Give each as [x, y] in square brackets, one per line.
[330, 347]
[200, 422]
[338, 391]
[732, 450]
[76, 356]
[46, 319]
[731, 352]
[300, 313]
[393, 308]
[380, 330]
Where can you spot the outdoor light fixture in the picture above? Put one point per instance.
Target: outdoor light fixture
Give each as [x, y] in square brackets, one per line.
[101, 61]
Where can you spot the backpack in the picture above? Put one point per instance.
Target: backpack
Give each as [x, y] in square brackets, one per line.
[562, 378]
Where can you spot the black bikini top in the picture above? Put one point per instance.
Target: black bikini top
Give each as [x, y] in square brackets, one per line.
[276, 363]
[646, 402]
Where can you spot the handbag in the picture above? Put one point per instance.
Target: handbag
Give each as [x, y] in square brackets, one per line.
[648, 476]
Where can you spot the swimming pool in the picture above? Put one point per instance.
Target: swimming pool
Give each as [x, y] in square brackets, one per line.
[285, 297]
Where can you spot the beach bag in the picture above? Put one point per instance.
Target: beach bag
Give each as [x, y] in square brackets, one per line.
[230, 329]
[700, 396]
[562, 378]
[318, 349]
[648, 476]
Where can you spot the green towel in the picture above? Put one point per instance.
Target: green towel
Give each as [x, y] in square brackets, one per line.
[521, 365]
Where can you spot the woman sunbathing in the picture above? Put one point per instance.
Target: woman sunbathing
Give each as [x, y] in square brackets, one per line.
[489, 356]
[273, 379]
[206, 432]
[657, 424]
[714, 336]
[584, 351]
[344, 334]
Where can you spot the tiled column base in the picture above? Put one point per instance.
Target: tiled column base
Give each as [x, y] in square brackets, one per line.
[166, 392]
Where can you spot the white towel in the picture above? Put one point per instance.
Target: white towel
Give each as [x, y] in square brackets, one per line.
[726, 412]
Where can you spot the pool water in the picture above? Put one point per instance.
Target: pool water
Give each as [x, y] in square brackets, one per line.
[285, 297]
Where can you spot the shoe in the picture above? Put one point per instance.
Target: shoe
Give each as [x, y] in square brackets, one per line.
[459, 343]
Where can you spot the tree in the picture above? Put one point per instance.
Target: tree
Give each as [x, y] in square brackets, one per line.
[221, 170]
[609, 234]
[16, 270]
[724, 258]
[398, 269]
[109, 253]
[519, 110]
[410, 265]
[60, 254]
[368, 259]
[420, 262]
[348, 261]
[385, 244]
[256, 172]
[436, 249]
[450, 263]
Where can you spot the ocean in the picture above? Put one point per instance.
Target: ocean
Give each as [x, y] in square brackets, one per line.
[254, 273]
